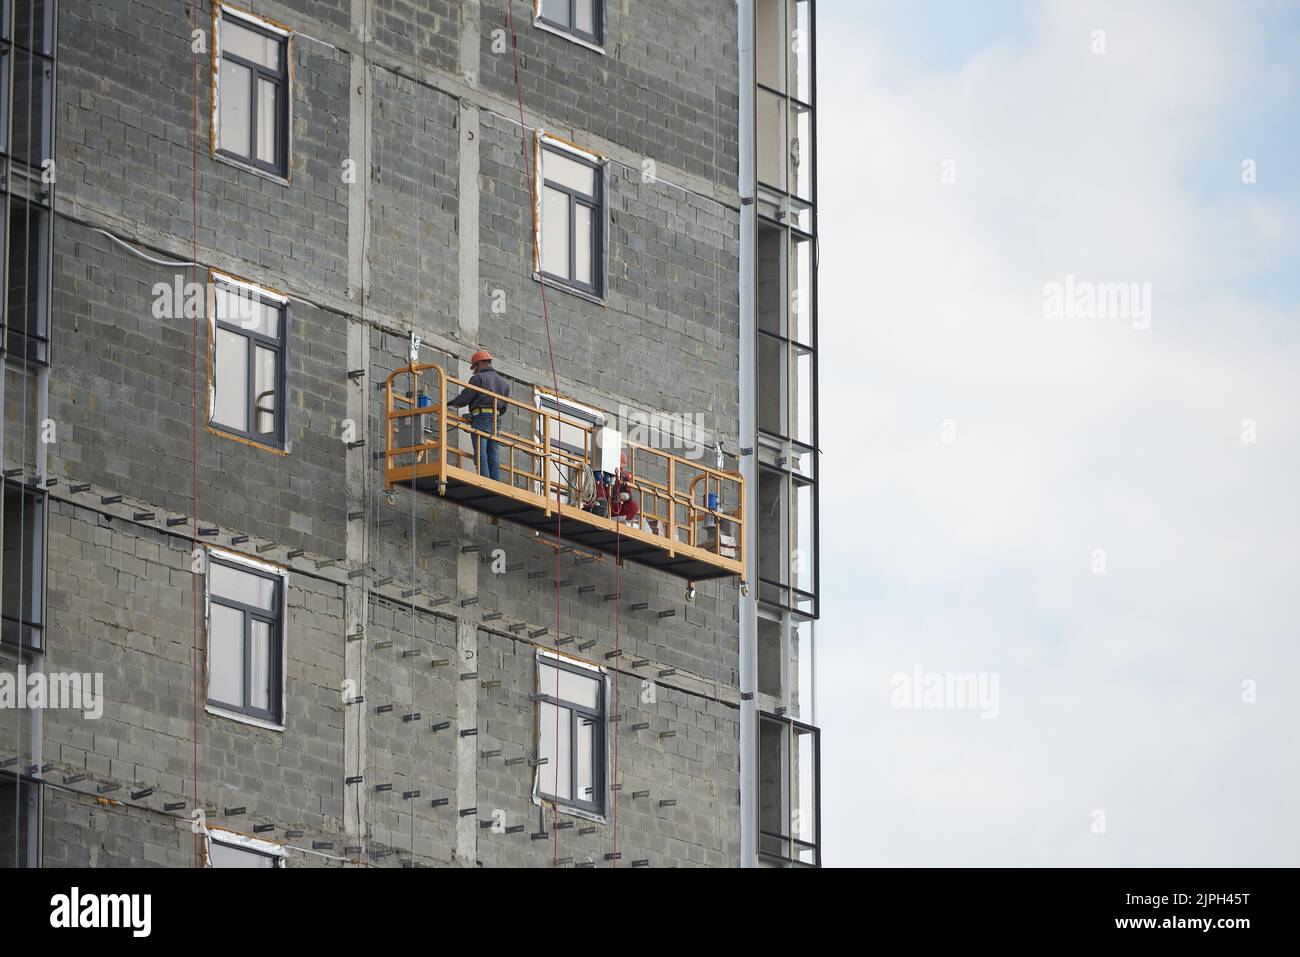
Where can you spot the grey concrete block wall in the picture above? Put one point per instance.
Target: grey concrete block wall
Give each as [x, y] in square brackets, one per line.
[121, 386]
[667, 88]
[120, 598]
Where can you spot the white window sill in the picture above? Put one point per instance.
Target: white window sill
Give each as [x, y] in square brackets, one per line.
[591, 816]
[543, 25]
[243, 718]
[221, 157]
[565, 287]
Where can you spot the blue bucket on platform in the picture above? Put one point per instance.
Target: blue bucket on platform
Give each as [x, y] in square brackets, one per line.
[712, 501]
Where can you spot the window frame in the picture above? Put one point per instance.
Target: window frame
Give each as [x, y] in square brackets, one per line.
[38, 595]
[278, 441]
[274, 718]
[20, 181]
[282, 77]
[596, 807]
[32, 837]
[594, 40]
[565, 408]
[242, 843]
[790, 729]
[598, 203]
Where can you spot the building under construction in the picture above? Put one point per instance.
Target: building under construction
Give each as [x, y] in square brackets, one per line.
[264, 603]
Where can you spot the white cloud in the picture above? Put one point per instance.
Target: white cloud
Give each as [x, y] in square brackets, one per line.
[1118, 691]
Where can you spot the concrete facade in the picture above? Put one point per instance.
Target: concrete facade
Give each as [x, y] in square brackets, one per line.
[419, 96]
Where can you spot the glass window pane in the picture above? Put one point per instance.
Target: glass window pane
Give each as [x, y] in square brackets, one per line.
[554, 744]
[230, 380]
[574, 688]
[803, 370]
[20, 812]
[801, 50]
[235, 92]
[801, 635]
[555, 233]
[28, 271]
[556, 11]
[225, 855]
[584, 758]
[772, 385]
[772, 819]
[241, 586]
[33, 25]
[268, 119]
[770, 301]
[249, 44]
[260, 693]
[4, 103]
[226, 656]
[801, 152]
[801, 291]
[31, 124]
[803, 558]
[584, 15]
[803, 823]
[266, 379]
[245, 308]
[570, 173]
[773, 526]
[769, 47]
[23, 556]
[582, 241]
[772, 147]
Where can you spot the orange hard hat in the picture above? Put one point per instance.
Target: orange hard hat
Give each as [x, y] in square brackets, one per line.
[481, 356]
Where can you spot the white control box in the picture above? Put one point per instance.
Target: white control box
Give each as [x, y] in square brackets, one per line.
[609, 448]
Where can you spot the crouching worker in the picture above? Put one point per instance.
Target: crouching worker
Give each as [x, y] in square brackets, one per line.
[484, 411]
[617, 492]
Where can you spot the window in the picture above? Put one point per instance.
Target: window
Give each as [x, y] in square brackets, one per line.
[26, 178]
[23, 601]
[581, 19]
[789, 785]
[228, 849]
[572, 432]
[252, 103]
[245, 638]
[571, 217]
[249, 329]
[20, 817]
[571, 734]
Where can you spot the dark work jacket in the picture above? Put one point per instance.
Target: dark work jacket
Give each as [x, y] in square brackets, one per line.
[488, 379]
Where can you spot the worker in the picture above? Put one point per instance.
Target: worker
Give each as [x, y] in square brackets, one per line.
[617, 491]
[484, 411]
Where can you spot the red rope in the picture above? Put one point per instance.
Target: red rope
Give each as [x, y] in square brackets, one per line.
[555, 384]
[194, 419]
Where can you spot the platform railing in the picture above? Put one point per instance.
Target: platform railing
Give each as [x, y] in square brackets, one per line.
[680, 500]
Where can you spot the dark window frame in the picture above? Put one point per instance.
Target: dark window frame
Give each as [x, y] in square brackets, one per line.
[250, 614]
[20, 181]
[229, 844]
[31, 840]
[28, 627]
[280, 77]
[597, 203]
[595, 38]
[280, 346]
[596, 805]
[790, 728]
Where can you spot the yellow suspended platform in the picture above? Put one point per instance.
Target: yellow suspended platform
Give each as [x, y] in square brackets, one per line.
[544, 455]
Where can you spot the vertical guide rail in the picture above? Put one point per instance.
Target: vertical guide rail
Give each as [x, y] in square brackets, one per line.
[442, 430]
[672, 505]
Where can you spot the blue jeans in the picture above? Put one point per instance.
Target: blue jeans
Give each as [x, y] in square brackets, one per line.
[487, 452]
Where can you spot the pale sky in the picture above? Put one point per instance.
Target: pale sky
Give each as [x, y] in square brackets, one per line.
[1119, 692]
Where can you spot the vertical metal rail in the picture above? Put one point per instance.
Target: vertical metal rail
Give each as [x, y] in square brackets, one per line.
[748, 440]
